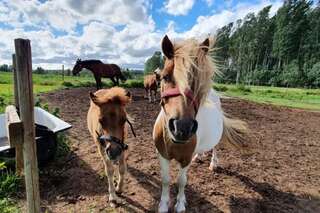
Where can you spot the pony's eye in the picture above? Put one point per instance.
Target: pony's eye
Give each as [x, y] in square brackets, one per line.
[166, 78]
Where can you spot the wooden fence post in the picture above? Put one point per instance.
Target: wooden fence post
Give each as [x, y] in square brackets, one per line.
[62, 73]
[15, 135]
[24, 77]
[15, 82]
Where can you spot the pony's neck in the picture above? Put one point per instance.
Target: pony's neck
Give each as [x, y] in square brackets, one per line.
[88, 66]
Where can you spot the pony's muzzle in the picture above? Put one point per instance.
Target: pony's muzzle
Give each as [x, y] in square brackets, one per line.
[113, 153]
[182, 129]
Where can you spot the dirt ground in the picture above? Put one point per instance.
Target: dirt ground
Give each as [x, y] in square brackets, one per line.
[281, 175]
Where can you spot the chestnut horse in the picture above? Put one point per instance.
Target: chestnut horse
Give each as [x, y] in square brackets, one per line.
[189, 122]
[106, 120]
[151, 83]
[100, 70]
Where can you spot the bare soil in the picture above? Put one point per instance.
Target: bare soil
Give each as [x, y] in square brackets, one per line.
[282, 174]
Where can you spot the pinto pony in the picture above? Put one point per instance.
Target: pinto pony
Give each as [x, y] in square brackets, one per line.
[100, 70]
[151, 85]
[189, 121]
[106, 120]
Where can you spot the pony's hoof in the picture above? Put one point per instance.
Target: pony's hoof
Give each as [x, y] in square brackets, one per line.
[114, 201]
[213, 167]
[119, 190]
[180, 206]
[163, 207]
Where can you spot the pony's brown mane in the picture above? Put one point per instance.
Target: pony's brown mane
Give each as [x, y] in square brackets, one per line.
[112, 95]
[193, 67]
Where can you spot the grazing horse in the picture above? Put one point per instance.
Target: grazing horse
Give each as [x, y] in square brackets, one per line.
[100, 70]
[151, 83]
[106, 120]
[189, 122]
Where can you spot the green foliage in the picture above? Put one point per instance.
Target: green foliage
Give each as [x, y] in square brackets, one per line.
[313, 75]
[153, 63]
[279, 50]
[8, 206]
[63, 146]
[134, 84]
[5, 68]
[67, 84]
[39, 70]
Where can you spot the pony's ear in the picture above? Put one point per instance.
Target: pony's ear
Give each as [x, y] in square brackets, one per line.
[94, 98]
[205, 45]
[167, 47]
[128, 94]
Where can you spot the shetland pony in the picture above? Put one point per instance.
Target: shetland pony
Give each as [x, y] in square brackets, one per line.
[106, 121]
[151, 85]
[189, 122]
[100, 70]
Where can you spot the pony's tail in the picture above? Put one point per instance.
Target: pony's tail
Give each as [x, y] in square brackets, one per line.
[235, 132]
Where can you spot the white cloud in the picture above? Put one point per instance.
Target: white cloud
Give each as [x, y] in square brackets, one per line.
[119, 32]
[210, 24]
[178, 7]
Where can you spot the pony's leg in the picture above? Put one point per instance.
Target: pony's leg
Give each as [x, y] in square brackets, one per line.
[181, 198]
[214, 160]
[113, 198]
[145, 93]
[122, 171]
[165, 197]
[98, 82]
[154, 96]
[149, 95]
[113, 81]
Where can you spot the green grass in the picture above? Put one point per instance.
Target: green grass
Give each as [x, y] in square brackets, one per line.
[9, 184]
[290, 97]
[51, 82]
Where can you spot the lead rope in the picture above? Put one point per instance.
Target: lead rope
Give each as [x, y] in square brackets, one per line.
[132, 130]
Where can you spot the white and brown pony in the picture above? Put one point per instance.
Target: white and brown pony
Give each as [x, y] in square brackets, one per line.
[107, 118]
[190, 121]
[151, 83]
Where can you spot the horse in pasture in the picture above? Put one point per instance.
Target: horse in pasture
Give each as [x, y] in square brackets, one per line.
[106, 119]
[189, 122]
[151, 83]
[100, 70]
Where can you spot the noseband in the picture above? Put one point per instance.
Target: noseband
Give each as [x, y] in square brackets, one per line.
[115, 140]
[173, 92]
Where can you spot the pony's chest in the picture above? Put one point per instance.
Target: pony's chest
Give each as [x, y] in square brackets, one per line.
[210, 124]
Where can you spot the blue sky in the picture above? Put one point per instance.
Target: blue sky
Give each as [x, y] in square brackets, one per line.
[125, 32]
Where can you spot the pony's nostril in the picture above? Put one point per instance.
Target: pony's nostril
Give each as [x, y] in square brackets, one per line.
[194, 127]
[172, 125]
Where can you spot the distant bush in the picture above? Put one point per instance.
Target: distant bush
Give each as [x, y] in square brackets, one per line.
[220, 88]
[39, 70]
[67, 84]
[134, 84]
[313, 75]
[243, 88]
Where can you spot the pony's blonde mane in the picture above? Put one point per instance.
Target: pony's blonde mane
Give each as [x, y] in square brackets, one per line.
[193, 67]
[114, 94]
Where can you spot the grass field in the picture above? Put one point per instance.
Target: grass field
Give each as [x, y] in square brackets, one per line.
[291, 97]
[50, 82]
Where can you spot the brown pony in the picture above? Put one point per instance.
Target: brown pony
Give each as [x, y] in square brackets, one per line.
[106, 120]
[151, 83]
[100, 70]
[190, 121]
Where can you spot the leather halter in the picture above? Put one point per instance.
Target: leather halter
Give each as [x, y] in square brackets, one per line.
[173, 92]
[112, 139]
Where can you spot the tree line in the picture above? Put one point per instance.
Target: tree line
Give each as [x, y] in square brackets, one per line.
[283, 50]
